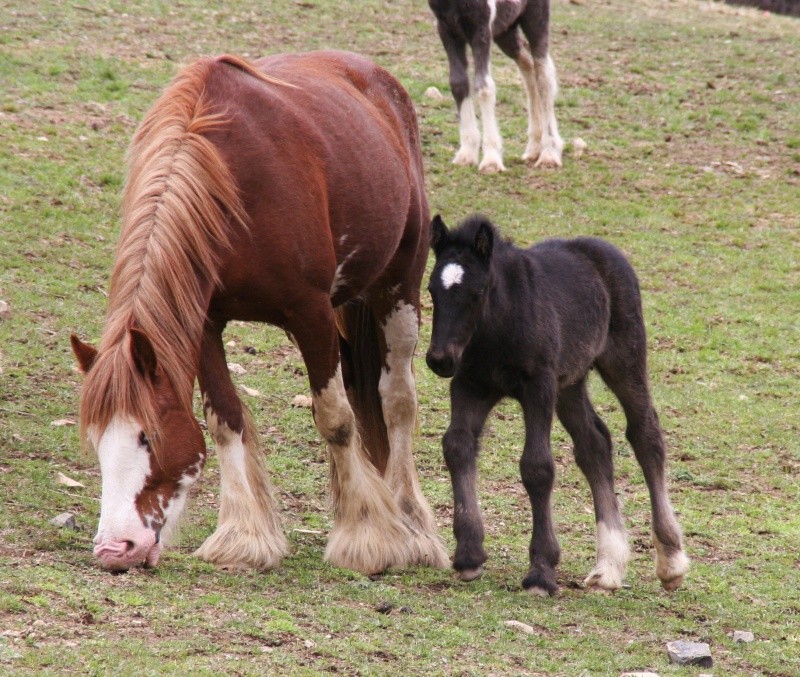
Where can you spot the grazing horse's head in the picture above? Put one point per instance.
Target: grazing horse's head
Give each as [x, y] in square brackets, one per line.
[149, 444]
[458, 287]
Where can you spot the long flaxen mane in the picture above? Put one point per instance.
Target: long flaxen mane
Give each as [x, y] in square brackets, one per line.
[178, 200]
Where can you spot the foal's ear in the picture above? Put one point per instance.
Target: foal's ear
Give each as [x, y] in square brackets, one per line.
[84, 353]
[439, 234]
[484, 241]
[143, 354]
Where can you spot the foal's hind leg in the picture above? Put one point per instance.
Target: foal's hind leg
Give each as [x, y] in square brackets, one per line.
[369, 534]
[624, 370]
[248, 533]
[592, 446]
[400, 328]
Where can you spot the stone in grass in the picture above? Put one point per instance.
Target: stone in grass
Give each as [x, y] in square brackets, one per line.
[66, 520]
[690, 653]
[743, 636]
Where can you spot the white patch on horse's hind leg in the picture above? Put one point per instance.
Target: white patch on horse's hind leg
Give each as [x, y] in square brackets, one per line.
[368, 533]
[542, 99]
[534, 146]
[492, 142]
[470, 137]
[612, 558]
[248, 533]
[399, 401]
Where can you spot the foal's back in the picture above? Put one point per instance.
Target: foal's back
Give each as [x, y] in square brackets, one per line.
[584, 290]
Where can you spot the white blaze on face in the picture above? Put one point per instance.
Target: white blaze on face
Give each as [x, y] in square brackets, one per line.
[124, 466]
[452, 274]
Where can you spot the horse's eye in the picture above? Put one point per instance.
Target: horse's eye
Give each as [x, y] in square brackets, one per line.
[143, 441]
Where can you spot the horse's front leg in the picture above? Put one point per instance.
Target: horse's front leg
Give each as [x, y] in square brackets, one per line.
[248, 533]
[538, 473]
[486, 94]
[369, 534]
[469, 136]
[468, 412]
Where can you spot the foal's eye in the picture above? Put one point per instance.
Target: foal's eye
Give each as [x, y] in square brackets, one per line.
[143, 441]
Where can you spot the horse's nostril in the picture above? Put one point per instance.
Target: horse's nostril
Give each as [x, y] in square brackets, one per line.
[129, 545]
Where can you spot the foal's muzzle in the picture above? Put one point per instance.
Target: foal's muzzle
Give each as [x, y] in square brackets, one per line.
[441, 363]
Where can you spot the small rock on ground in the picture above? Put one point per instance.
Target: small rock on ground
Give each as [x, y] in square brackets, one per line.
[690, 653]
[517, 625]
[743, 636]
[66, 520]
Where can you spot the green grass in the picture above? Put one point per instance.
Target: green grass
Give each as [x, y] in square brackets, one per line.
[690, 114]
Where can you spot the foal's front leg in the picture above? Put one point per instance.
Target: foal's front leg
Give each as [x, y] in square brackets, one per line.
[538, 474]
[468, 412]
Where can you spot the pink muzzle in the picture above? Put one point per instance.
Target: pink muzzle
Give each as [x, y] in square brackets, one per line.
[124, 555]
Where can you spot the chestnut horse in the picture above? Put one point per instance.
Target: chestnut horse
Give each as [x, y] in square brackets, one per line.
[287, 191]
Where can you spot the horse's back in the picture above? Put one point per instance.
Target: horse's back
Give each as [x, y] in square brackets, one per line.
[330, 171]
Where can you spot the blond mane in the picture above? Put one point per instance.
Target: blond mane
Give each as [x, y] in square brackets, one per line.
[178, 200]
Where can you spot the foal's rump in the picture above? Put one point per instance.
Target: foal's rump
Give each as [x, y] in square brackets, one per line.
[595, 292]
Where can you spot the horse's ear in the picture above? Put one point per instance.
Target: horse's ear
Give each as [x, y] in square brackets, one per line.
[84, 353]
[439, 234]
[143, 354]
[484, 241]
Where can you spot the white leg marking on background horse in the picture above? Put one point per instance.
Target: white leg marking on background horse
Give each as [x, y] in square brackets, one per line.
[452, 274]
[492, 142]
[545, 84]
[470, 136]
[612, 558]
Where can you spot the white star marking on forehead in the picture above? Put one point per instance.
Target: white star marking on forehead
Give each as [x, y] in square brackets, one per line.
[452, 274]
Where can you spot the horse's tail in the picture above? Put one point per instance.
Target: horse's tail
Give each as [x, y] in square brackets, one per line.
[361, 361]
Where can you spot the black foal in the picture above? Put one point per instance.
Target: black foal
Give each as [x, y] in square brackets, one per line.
[530, 324]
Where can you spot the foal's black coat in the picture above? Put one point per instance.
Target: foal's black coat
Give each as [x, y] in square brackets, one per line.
[530, 324]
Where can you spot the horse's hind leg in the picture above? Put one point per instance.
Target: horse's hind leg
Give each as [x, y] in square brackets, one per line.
[369, 534]
[592, 447]
[538, 72]
[400, 328]
[486, 94]
[248, 533]
[623, 368]
[469, 136]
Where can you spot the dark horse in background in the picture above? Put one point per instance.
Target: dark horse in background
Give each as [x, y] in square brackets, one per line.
[530, 324]
[287, 191]
[476, 23]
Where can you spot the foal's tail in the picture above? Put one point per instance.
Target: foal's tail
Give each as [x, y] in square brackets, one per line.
[361, 361]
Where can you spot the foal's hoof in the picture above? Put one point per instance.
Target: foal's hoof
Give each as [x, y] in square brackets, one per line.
[536, 591]
[468, 575]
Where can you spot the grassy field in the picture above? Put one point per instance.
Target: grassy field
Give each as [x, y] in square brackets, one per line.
[690, 113]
